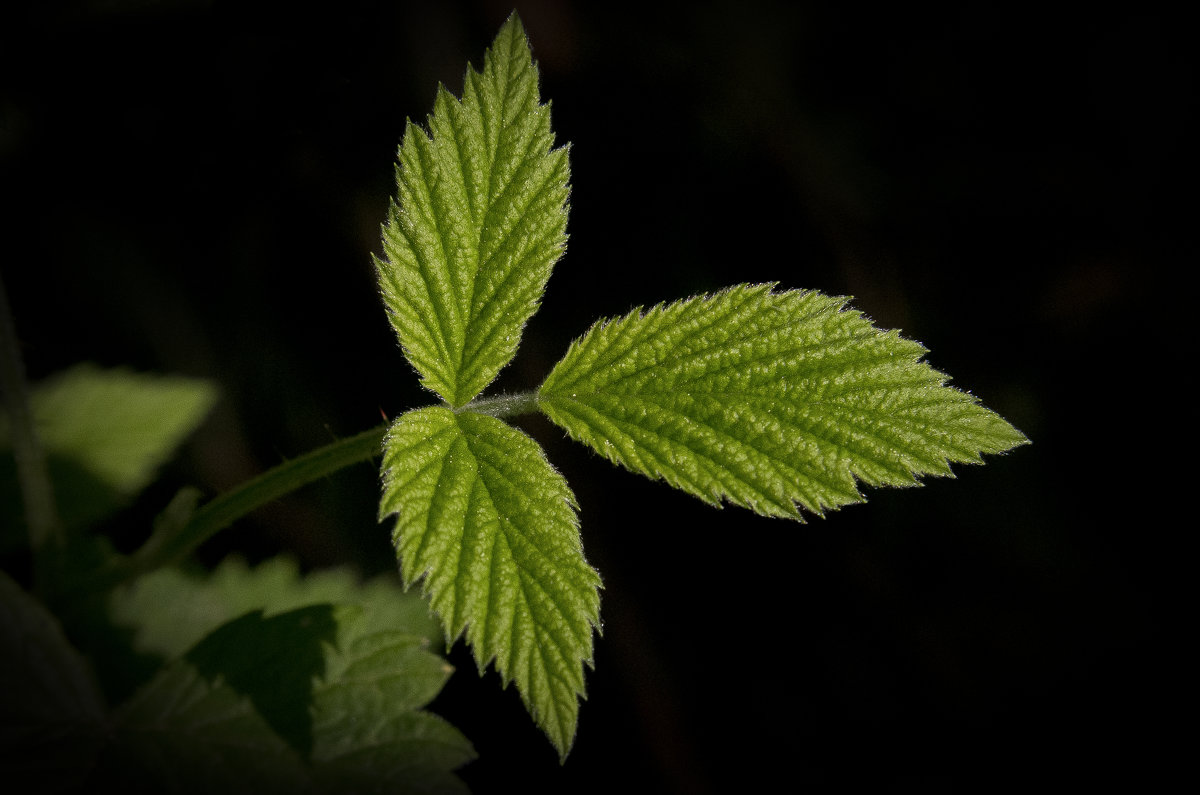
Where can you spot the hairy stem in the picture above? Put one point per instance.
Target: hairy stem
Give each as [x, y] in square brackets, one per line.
[504, 405]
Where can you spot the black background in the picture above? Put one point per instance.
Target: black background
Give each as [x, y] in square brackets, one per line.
[195, 187]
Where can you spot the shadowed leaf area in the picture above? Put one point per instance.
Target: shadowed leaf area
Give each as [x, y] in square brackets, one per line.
[273, 662]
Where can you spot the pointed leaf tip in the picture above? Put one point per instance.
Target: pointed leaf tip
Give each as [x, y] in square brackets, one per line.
[774, 401]
[481, 221]
[490, 528]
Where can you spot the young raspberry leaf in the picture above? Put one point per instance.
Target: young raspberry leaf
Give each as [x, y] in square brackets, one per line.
[768, 400]
[489, 526]
[480, 221]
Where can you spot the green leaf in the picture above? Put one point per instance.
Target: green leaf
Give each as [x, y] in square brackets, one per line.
[52, 715]
[492, 530]
[480, 221]
[768, 400]
[170, 610]
[370, 735]
[191, 733]
[119, 425]
[274, 662]
[106, 432]
[327, 702]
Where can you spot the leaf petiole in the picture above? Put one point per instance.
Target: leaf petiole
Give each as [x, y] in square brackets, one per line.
[504, 405]
[172, 541]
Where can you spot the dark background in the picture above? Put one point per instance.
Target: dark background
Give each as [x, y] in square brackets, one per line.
[195, 187]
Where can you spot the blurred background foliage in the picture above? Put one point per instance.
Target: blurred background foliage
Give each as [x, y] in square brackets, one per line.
[193, 187]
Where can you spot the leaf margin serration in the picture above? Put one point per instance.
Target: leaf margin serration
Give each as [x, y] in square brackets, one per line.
[648, 349]
[464, 269]
[434, 461]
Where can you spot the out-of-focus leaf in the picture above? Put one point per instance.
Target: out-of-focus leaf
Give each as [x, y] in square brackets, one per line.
[106, 432]
[52, 715]
[191, 733]
[367, 722]
[328, 704]
[170, 610]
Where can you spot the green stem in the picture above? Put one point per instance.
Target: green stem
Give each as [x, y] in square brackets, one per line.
[504, 405]
[173, 542]
[176, 541]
